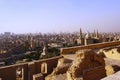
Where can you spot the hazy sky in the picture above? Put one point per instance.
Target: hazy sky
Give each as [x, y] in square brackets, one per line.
[23, 16]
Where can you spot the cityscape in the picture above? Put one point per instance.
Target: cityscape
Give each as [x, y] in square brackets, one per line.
[59, 40]
[26, 48]
[19, 48]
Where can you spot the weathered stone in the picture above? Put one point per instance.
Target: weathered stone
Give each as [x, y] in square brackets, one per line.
[62, 67]
[109, 70]
[86, 59]
[111, 52]
[38, 77]
[63, 61]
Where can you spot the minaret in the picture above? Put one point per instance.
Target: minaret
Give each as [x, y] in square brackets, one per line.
[80, 40]
[31, 42]
[94, 34]
[80, 33]
[97, 35]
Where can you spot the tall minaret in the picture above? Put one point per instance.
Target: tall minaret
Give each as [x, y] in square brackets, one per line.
[31, 42]
[80, 33]
[80, 40]
[94, 34]
[97, 35]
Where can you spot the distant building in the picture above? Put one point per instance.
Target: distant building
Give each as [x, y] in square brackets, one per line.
[56, 45]
[7, 33]
[88, 39]
[44, 52]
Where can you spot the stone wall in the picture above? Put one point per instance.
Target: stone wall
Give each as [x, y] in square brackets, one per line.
[35, 68]
[72, 50]
[38, 77]
[9, 72]
[28, 69]
[86, 64]
[113, 53]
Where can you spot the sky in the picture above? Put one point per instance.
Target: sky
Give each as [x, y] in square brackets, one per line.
[33, 16]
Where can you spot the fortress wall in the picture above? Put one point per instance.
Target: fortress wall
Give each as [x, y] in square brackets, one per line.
[51, 63]
[29, 69]
[9, 72]
[72, 50]
[95, 74]
[35, 67]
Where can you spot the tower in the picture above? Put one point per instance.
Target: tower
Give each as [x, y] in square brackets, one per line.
[80, 40]
[31, 41]
[80, 33]
[94, 34]
[97, 35]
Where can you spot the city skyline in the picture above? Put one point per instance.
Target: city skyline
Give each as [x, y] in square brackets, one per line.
[59, 16]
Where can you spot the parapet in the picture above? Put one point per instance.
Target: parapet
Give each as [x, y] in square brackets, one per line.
[25, 71]
[72, 50]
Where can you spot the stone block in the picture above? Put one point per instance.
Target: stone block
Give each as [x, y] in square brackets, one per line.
[38, 77]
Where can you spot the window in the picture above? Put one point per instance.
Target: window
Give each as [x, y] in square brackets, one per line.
[19, 71]
[44, 68]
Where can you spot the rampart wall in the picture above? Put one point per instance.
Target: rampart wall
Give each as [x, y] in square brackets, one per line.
[35, 68]
[29, 69]
[72, 50]
[9, 72]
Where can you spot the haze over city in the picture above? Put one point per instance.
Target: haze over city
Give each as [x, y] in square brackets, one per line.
[24, 16]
